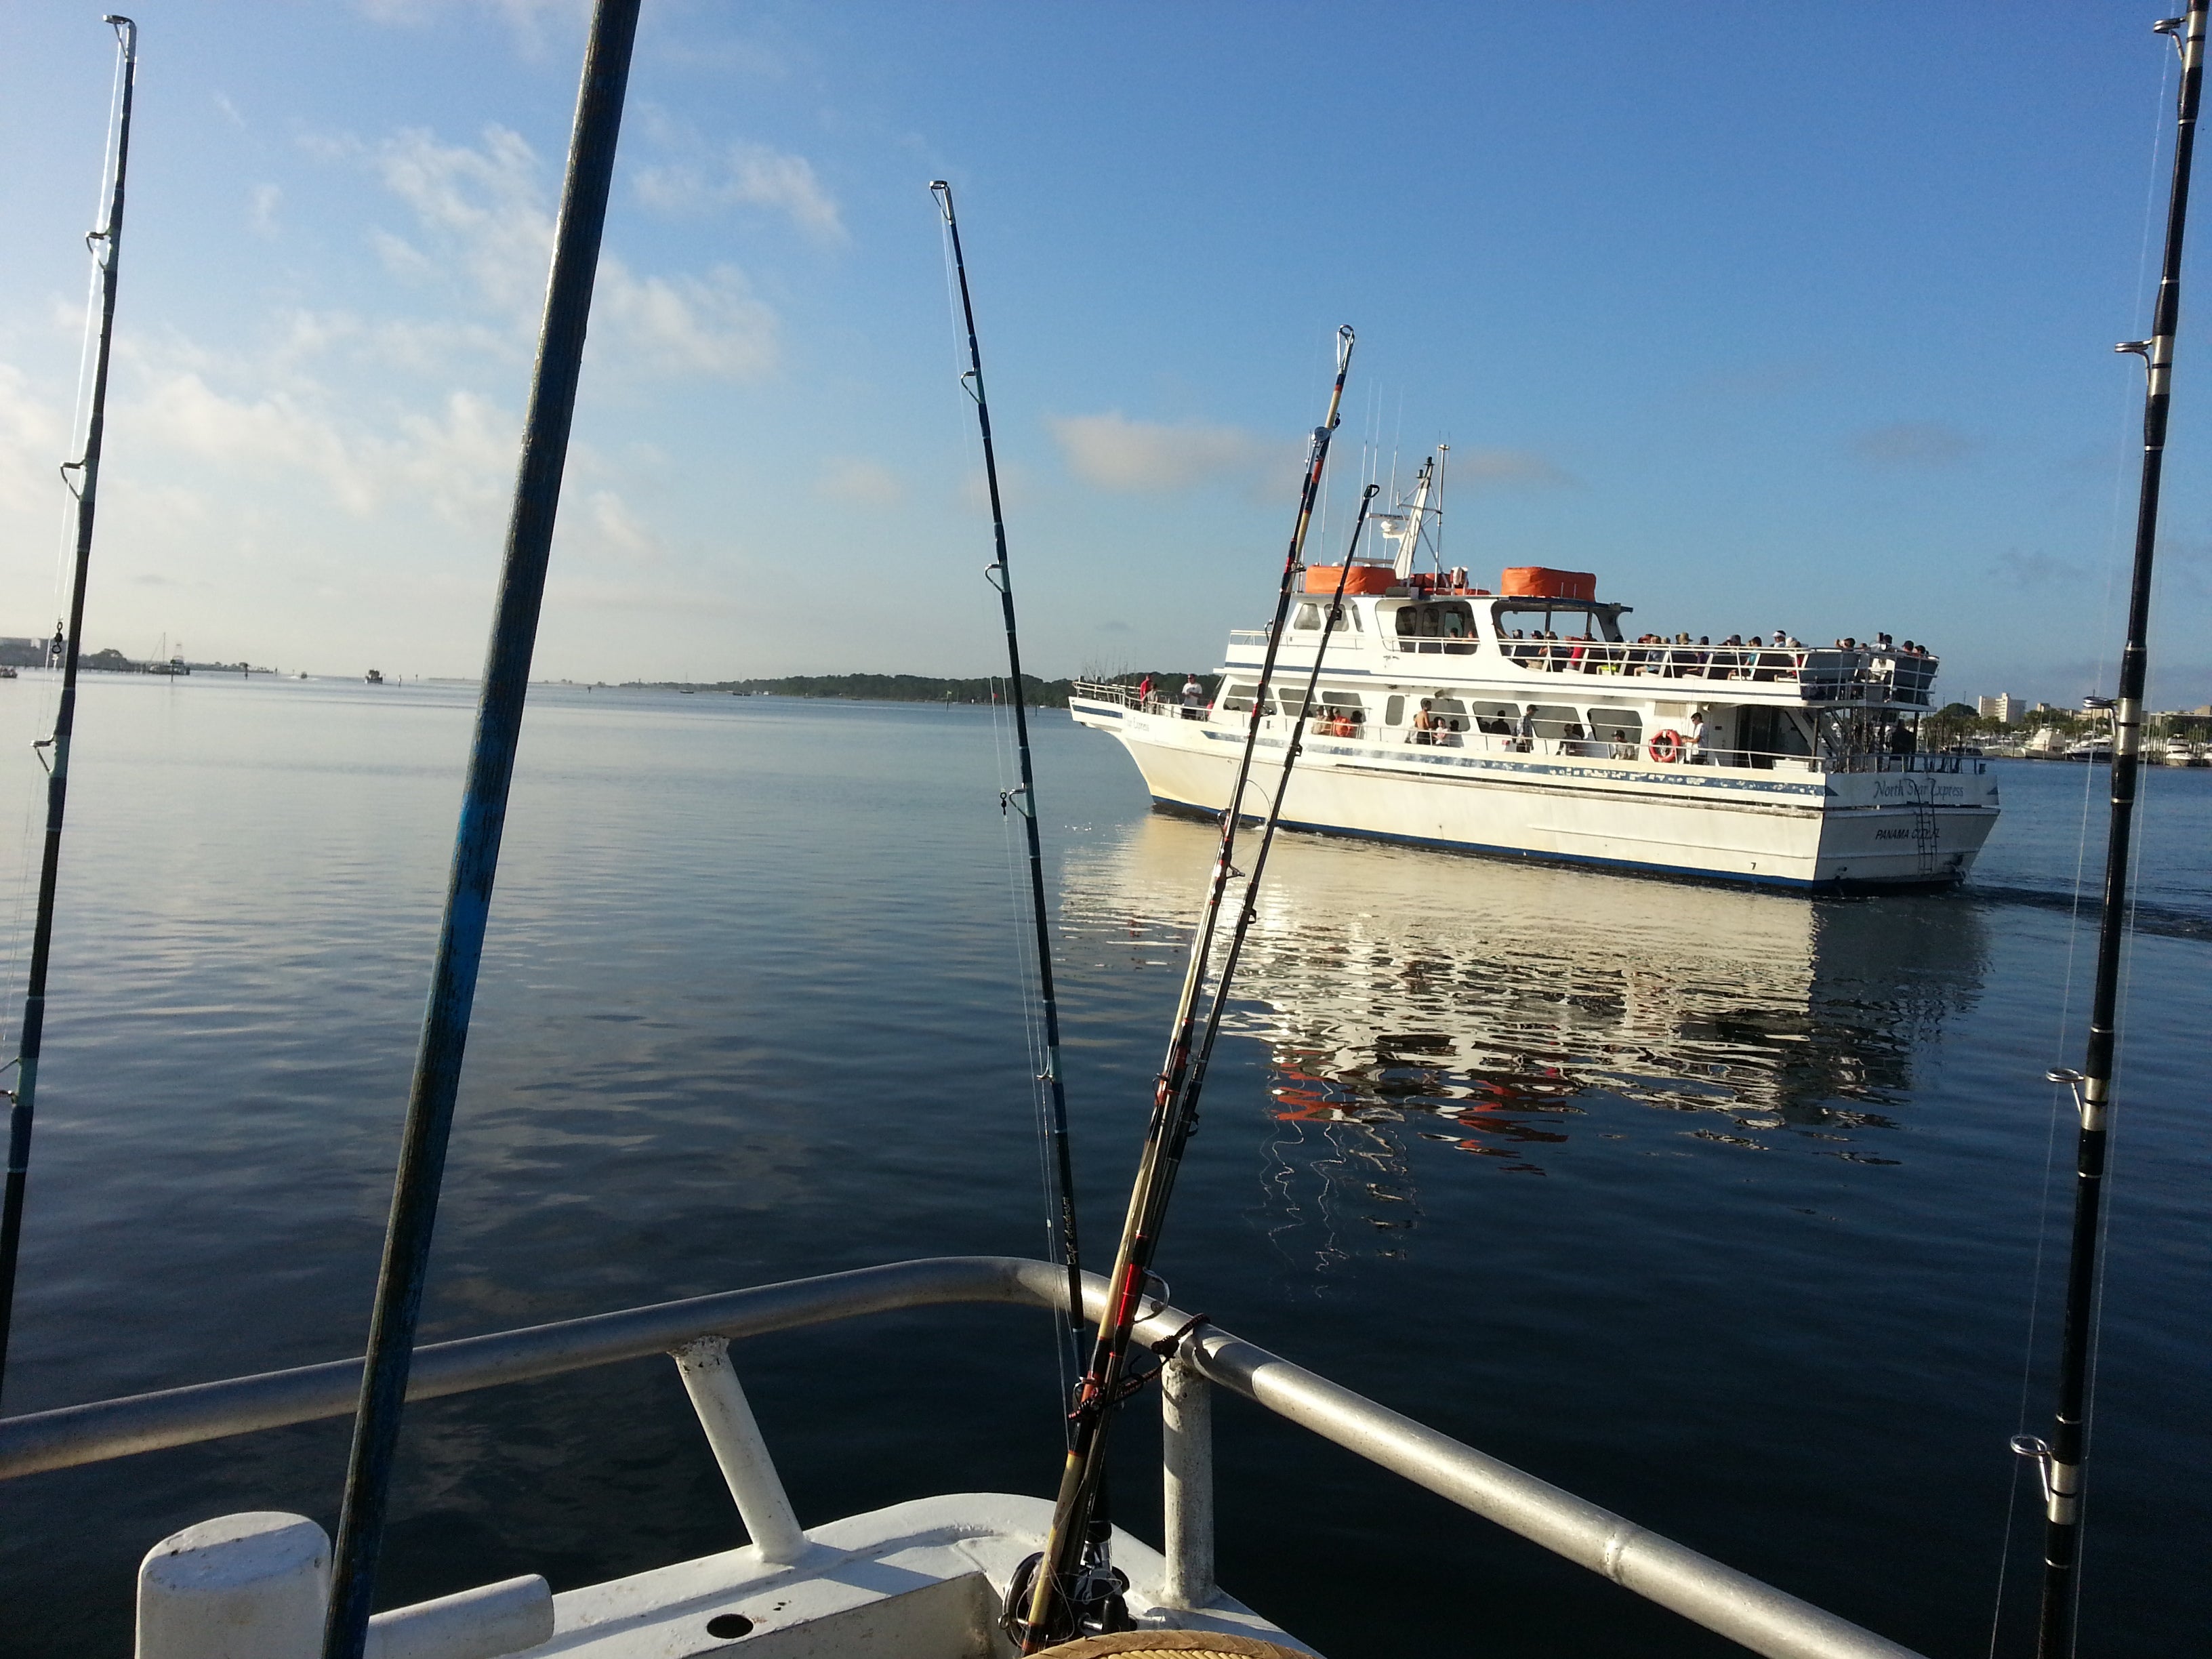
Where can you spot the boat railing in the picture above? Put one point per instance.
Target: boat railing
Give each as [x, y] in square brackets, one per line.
[1125, 696]
[1823, 674]
[694, 1334]
[1656, 750]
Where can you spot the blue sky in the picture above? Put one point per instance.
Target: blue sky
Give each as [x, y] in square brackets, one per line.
[1771, 318]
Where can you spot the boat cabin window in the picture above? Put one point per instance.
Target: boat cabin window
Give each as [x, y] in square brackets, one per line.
[1552, 720]
[1451, 623]
[1618, 731]
[1394, 711]
[1237, 698]
[1565, 618]
[1339, 714]
[1310, 615]
[1498, 719]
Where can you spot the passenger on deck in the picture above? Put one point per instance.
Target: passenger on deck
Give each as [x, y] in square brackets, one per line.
[1524, 733]
[1144, 692]
[1622, 747]
[1194, 698]
[1424, 724]
[1701, 740]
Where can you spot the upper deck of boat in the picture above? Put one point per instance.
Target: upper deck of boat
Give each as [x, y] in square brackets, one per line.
[1440, 632]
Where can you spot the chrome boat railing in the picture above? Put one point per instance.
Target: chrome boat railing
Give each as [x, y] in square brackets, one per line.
[1732, 1604]
[1821, 674]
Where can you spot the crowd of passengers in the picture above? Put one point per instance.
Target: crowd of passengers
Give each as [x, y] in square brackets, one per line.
[1681, 658]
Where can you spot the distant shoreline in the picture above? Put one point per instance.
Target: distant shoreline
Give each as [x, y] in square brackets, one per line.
[897, 688]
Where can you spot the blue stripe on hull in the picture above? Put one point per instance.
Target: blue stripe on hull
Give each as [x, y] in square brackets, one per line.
[1675, 872]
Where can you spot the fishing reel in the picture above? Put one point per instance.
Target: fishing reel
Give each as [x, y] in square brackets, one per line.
[1093, 1604]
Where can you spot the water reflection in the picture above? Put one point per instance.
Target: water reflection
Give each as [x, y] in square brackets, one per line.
[1509, 1011]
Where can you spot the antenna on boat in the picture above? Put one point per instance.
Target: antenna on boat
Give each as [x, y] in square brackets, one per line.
[2060, 1458]
[483, 815]
[1443, 459]
[106, 244]
[1023, 800]
[1070, 1580]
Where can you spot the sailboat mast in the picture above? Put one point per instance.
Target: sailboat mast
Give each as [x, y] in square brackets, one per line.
[1023, 800]
[2062, 1457]
[106, 244]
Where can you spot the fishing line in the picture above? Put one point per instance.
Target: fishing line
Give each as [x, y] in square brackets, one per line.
[2128, 416]
[1070, 1583]
[1041, 1027]
[2105, 1215]
[2063, 1461]
[1032, 1037]
[48, 695]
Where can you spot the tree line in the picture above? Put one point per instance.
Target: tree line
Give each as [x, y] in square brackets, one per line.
[926, 687]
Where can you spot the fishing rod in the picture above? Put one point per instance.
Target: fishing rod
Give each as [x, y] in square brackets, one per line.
[2060, 1458]
[1069, 1581]
[106, 244]
[1292, 749]
[1022, 799]
[483, 815]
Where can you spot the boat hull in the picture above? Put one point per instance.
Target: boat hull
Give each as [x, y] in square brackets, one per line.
[1788, 829]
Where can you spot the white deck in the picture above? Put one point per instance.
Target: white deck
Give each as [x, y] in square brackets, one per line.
[921, 1580]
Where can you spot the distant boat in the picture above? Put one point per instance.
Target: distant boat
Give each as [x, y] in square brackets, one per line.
[376, 676]
[1449, 715]
[2090, 749]
[6, 672]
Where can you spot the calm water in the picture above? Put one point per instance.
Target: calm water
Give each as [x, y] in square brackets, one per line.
[1722, 1209]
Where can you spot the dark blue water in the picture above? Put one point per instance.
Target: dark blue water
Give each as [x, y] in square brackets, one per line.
[1722, 1209]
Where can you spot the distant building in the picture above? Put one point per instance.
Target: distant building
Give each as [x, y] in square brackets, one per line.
[2005, 709]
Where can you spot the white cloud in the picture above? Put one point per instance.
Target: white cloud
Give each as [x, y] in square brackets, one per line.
[460, 462]
[1113, 452]
[609, 528]
[482, 213]
[261, 211]
[748, 175]
[274, 432]
[525, 19]
[688, 326]
[32, 434]
[1913, 446]
[1506, 468]
[863, 483]
[485, 207]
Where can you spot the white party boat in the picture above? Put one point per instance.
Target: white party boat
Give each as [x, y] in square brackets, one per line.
[1524, 722]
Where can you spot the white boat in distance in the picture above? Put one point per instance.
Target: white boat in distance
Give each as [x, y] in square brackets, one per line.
[1551, 736]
